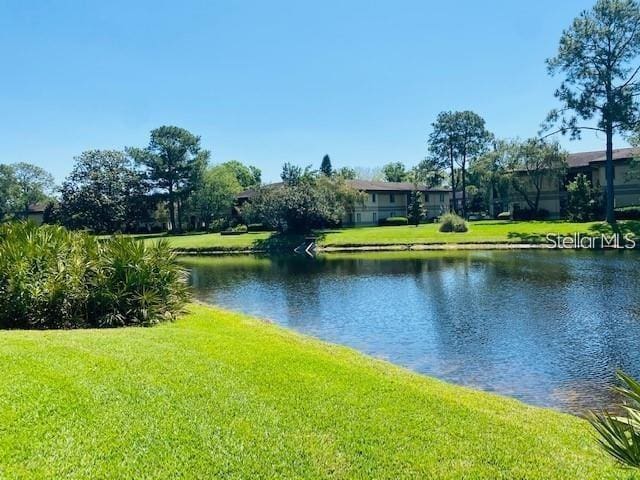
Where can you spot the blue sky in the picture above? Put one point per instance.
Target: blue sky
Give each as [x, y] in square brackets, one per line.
[271, 82]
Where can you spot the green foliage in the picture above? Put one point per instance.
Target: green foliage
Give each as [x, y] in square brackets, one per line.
[631, 212]
[215, 194]
[416, 207]
[306, 201]
[104, 193]
[346, 173]
[237, 230]
[53, 278]
[21, 185]
[428, 172]
[325, 167]
[450, 222]
[395, 172]
[174, 164]
[532, 164]
[456, 141]
[619, 434]
[247, 176]
[597, 55]
[393, 221]
[584, 203]
[257, 227]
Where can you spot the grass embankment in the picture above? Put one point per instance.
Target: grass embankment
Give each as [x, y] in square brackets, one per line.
[217, 394]
[483, 232]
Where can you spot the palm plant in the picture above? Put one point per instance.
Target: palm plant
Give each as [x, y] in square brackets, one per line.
[619, 435]
[53, 278]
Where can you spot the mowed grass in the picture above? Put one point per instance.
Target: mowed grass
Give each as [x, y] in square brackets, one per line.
[482, 232]
[220, 395]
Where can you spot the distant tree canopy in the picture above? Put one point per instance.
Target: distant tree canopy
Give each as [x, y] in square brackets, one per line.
[598, 55]
[307, 200]
[456, 141]
[103, 192]
[532, 163]
[23, 184]
[325, 167]
[216, 193]
[395, 172]
[346, 173]
[174, 163]
[247, 176]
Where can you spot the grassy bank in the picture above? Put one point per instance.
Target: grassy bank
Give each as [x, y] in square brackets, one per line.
[485, 232]
[217, 394]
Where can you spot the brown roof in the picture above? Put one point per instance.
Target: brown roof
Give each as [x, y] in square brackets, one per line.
[365, 185]
[377, 186]
[583, 159]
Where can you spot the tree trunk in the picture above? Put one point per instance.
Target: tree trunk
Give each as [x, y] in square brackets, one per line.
[453, 183]
[464, 186]
[611, 218]
[172, 211]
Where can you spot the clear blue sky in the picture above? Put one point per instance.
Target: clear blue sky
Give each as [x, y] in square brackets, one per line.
[270, 82]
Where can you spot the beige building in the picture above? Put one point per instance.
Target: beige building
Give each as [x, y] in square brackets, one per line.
[391, 199]
[553, 197]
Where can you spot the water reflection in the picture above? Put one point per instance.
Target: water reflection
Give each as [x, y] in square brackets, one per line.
[547, 327]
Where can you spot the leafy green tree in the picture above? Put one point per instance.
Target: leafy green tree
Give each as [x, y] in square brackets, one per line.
[428, 173]
[9, 195]
[325, 167]
[247, 176]
[597, 55]
[34, 184]
[583, 201]
[103, 192]
[214, 197]
[457, 140]
[491, 177]
[310, 202]
[395, 172]
[346, 173]
[174, 162]
[416, 207]
[533, 163]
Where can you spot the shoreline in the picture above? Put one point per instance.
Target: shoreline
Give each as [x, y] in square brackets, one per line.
[417, 247]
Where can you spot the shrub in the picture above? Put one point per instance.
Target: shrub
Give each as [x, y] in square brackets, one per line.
[530, 214]
[237, 230]
[619, 434]
[53, 278]
[450, 222]
[393, 221]
[257, 227]
[584, 203]
[504, 216]
[628, 213]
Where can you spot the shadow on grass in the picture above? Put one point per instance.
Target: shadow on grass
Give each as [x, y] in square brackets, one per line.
[284, 242]
[620, 228]
[527, 237]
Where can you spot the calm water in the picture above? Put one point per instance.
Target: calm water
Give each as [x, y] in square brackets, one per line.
[547, 327]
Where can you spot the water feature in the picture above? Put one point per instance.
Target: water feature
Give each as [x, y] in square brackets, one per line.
[547, 327]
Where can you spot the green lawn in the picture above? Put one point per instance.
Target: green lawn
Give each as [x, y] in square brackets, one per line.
[479, 232]
[219, 395]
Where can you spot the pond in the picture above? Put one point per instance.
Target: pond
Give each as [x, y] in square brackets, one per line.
[547, 327]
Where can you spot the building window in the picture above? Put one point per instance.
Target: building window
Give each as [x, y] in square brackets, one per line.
[392, 198]
[393, 214]
[373, 198]
[375, 217]
[358, 217]
[442, 198]
[426, 197]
